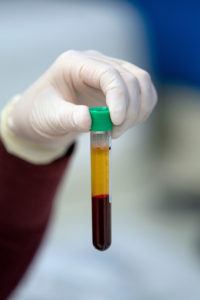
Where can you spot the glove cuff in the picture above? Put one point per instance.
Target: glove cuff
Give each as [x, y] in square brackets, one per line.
[28, 151]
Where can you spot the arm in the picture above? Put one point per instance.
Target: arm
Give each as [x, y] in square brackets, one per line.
[27, 193]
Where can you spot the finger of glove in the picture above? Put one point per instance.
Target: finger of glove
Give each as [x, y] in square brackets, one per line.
[148, 92]
[133, 91]
[102, 76]
[54, 116]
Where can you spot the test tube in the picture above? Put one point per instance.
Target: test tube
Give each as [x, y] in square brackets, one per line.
[100, 141]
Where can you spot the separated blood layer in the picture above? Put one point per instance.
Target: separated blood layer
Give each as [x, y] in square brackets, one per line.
[101, 206]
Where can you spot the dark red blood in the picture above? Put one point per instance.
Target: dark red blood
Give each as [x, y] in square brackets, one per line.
[101, 222]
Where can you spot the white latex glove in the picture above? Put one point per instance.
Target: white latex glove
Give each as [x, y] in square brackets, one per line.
[39, 125]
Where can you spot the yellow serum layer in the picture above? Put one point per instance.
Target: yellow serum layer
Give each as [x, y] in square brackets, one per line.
[100, 170]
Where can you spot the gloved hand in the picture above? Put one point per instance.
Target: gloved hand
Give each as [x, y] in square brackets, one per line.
[46, 118]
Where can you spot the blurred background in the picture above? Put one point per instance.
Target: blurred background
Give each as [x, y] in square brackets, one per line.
[155, 253]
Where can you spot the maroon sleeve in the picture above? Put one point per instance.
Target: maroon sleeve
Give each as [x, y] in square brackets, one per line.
[26, 196]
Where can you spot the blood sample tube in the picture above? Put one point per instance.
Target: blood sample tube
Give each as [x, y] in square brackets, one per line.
[100, 140]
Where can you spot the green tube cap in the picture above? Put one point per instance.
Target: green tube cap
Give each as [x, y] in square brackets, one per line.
[101, 120]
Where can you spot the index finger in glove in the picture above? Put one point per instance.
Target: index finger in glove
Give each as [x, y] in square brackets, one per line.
[101, 76]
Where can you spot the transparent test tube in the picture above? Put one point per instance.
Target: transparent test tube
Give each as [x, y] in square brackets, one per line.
[100, 138]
